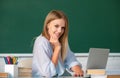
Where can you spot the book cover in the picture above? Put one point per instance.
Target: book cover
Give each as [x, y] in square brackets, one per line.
[96, 71]
[23, 69]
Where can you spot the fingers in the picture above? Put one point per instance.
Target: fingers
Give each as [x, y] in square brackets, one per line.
[77, 71]
[79, 74]
[55, 42]
[54, 38]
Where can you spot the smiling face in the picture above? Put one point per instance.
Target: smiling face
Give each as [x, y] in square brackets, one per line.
[56, 28]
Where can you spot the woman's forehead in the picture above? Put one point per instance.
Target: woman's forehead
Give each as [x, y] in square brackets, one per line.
[58, 21]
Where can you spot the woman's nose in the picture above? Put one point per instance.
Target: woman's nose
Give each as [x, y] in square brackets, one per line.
[59, 30]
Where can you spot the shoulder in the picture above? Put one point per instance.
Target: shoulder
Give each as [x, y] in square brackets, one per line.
[41, 40]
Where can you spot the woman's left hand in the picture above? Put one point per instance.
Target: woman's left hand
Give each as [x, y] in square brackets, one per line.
[77, 71]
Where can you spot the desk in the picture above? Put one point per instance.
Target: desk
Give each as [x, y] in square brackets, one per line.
[5, 75]
[109, 76]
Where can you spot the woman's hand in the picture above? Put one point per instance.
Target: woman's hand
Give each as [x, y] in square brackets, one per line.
[77, 71]
[55, 43]
[56, 49]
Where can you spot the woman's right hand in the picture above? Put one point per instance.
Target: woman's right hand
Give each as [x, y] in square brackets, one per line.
[55, 43]
[56, 49]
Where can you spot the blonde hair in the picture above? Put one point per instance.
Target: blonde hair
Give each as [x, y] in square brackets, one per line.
[52, 15]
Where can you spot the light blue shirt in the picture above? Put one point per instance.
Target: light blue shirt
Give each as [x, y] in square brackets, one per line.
[42, 64]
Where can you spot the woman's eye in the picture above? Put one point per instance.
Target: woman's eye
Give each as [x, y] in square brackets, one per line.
[63, 27]
[56, 26]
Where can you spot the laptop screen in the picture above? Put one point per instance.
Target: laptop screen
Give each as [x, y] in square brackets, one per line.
[97, 58]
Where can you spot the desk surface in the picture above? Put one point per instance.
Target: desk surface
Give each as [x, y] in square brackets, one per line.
[5, 75]
[109, 76]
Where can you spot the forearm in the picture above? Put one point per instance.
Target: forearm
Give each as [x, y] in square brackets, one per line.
[55, 57]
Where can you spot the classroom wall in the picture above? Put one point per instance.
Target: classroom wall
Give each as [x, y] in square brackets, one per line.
[112, 65]
[92, 23]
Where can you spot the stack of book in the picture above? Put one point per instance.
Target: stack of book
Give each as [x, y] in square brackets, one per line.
[24, 72]
[96, 71]
[3, 75]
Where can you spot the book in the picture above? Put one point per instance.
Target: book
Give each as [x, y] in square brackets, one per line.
[113, 76]
[3, 75]
[24, 69]
[96, 71]
[24, 72]
[98, 76]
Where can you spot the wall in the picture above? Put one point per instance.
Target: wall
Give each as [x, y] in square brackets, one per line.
[92, 23]
[113, 60]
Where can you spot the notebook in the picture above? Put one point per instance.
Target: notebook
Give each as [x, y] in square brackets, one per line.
[97, 58]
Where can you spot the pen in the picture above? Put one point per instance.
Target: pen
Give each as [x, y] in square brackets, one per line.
[5, 60]
[15, 60]
[8, 59]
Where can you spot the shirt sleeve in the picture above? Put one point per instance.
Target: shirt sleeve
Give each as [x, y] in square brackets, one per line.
[42, 64]
[71, 61]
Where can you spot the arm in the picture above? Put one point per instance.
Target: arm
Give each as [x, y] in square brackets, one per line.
[56, 45]
[42, 53]
[55, 56]
[73, 66]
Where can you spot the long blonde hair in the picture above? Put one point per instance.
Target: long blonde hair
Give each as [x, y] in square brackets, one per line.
[52, 15]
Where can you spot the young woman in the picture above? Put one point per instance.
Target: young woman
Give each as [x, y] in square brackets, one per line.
[51, 52]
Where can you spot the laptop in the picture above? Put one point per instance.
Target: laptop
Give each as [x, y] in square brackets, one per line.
[97, 58]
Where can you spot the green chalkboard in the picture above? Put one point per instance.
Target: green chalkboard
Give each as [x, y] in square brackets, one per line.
[92, 23]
